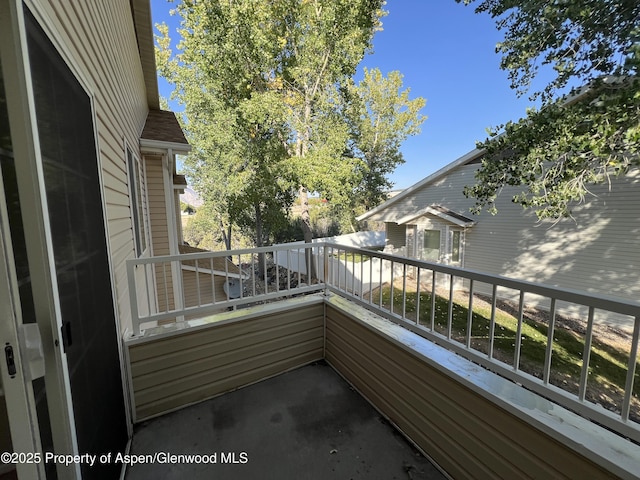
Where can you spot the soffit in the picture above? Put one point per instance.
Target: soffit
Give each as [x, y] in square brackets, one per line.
[141, 10]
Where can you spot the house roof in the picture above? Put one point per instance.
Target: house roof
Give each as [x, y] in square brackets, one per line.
[179, 181]
[476, 154]
[470, 157]
[221, 265]
[441, 212]
[163, 130]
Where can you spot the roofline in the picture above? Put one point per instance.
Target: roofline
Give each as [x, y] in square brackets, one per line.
[143, 24]
[432, 211]
[476, 152]
[467, 157]
[161, 145]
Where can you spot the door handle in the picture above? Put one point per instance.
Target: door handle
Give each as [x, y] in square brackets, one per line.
[11, 361]
[65, 330]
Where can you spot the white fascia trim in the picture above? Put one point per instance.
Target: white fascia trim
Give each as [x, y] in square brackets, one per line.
[159, 145]
[433, 211]
[472, 155]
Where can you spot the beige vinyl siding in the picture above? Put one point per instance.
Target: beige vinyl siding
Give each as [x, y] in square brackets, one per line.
[433, 409]
[210, 287]
[158, 222]
[157, 205]
[184, 368]
[176, 199]
[101, 49]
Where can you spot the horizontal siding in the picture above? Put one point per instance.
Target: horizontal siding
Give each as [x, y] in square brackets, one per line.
[204, 284]
[157, 205]
[164, 287]
[447, 191]
[185, 368]
[396, 235]
[433, 410]
[598, 250]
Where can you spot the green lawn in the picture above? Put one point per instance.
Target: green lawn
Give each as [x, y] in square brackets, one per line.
[608, 365]
[352, 257]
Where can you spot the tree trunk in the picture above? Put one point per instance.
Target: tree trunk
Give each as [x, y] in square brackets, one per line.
[226, 235]
[259, 242]
[308, 234]
[304, 214]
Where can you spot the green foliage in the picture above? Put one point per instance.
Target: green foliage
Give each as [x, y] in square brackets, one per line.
[291, 232]
[580, 39]
[201, 231]
[233, 119]
[381, 117]
[556, 152]
[186, 208]
[324, 41]
[260, 82]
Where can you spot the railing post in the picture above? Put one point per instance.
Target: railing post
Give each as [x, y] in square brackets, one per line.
[631, 370]
[325, 268]
[133, 297]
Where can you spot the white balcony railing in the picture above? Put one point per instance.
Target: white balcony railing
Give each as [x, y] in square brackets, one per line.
[544, 338]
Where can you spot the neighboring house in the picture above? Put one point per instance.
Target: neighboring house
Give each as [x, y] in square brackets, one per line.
[597, 250]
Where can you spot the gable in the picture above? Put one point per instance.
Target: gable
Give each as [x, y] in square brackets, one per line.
[440, 212]
[446, 192]
[381, 212]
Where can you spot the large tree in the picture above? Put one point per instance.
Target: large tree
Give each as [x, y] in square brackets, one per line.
[324, 41]
[222, 71]
[260, 84]
[381, 117]
[575, 138]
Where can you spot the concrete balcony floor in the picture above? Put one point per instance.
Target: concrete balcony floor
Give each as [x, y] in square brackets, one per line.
[305, 424]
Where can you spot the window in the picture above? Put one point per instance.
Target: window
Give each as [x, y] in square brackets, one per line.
[137, 201]
[455, 246]
[431, 250]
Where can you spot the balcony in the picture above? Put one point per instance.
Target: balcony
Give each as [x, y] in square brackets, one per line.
[481, 392]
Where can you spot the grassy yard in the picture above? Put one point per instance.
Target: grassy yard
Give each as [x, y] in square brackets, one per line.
[607, 366]
[350, 257]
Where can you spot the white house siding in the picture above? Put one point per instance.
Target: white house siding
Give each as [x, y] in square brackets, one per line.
[446, 191]
[100, 47]
[598, 250]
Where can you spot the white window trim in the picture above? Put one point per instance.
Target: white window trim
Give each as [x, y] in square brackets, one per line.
[137, 202]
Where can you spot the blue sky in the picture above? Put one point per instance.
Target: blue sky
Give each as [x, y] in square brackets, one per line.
[446, 53]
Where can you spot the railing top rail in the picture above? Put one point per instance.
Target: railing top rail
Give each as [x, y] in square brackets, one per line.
[223, 253]
[596, 300]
